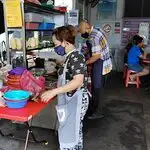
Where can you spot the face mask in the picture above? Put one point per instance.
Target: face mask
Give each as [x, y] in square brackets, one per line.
[85, 35]
[60, 50]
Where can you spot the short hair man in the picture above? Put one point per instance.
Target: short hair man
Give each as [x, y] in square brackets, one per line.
[101, 62]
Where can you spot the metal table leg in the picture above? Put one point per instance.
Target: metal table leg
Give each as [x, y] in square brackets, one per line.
[27, 140]
[29, 131]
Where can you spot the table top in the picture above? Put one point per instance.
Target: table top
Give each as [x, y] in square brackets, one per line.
[23, 114]
[146, 61]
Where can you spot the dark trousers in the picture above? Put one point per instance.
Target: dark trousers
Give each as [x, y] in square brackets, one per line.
[97, 102]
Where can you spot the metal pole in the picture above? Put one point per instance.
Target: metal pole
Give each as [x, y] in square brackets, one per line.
[142, 7]
[7, 35]
[74, 4]
[23, 34]
[28, 134]
[83, 9]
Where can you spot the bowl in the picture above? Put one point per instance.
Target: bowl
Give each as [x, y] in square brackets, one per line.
[17, 95]
[16, 104]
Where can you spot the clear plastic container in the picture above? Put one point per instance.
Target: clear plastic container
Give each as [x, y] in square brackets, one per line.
[48, 19]
[33, 17]
[30, 25]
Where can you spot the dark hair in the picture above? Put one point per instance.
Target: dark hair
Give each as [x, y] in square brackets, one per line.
[65, 33]
[137, 39]
[72, 29]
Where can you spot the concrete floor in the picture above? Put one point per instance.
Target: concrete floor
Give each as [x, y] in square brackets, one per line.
[115, 90]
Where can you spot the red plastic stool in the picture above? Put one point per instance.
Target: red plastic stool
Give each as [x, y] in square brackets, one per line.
[136, 82]
[125, 70]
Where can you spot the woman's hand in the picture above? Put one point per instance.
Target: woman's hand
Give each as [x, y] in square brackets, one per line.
[48, 95]
[60, 62]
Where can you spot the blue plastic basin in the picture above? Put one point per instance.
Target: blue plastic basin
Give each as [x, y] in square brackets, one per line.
[16, 105]
[17, 95]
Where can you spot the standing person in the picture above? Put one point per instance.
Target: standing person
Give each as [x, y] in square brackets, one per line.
[71, 93]
[102, 65]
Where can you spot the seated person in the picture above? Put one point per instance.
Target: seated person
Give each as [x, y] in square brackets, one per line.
[133, 59]
[129, 46]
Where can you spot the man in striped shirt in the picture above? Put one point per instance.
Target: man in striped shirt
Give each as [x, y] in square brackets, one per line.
[101, 63]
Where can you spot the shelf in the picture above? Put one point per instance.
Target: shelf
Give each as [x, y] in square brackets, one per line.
[16, 50]
[33, 49]
[39, 30]
[39, 48]
[31, 7]
[14, 29]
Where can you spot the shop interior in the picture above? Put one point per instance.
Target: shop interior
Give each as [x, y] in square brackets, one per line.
[26, 43]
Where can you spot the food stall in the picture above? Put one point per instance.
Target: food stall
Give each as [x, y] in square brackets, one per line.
[28, 28]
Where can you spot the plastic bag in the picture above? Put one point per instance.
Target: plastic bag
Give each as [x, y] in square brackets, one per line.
[30, 83]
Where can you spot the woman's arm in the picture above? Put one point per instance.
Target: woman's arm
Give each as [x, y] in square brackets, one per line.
[75, 83]
[143, 56]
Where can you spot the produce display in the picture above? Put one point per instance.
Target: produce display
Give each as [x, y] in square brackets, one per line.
[16, 43]
[32, 43]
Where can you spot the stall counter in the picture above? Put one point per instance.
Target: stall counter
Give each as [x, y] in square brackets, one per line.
[47, 118]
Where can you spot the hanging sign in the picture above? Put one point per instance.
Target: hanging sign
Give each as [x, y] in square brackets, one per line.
[13, 13]
[144, 31]
[73, 17]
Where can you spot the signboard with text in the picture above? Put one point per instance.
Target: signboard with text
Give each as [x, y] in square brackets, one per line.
[13, 13]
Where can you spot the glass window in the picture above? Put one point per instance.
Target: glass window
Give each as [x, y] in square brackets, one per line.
[106, 9]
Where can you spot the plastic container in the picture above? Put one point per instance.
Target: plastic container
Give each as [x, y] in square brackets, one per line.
[14, 86]
[16, 95]
[62, 9]
[14, 83]
[33, 17]
[48, 19]
[16, 98]
[47, 26]
[15, 104]
[32, 25]
[14, 78]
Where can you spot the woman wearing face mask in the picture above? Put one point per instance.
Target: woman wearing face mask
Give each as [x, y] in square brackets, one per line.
[71, 91]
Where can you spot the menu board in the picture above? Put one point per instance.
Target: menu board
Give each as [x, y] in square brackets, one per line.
[144, 31]
[13, 13]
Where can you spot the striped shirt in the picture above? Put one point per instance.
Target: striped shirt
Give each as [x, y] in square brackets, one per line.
[100, 46]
